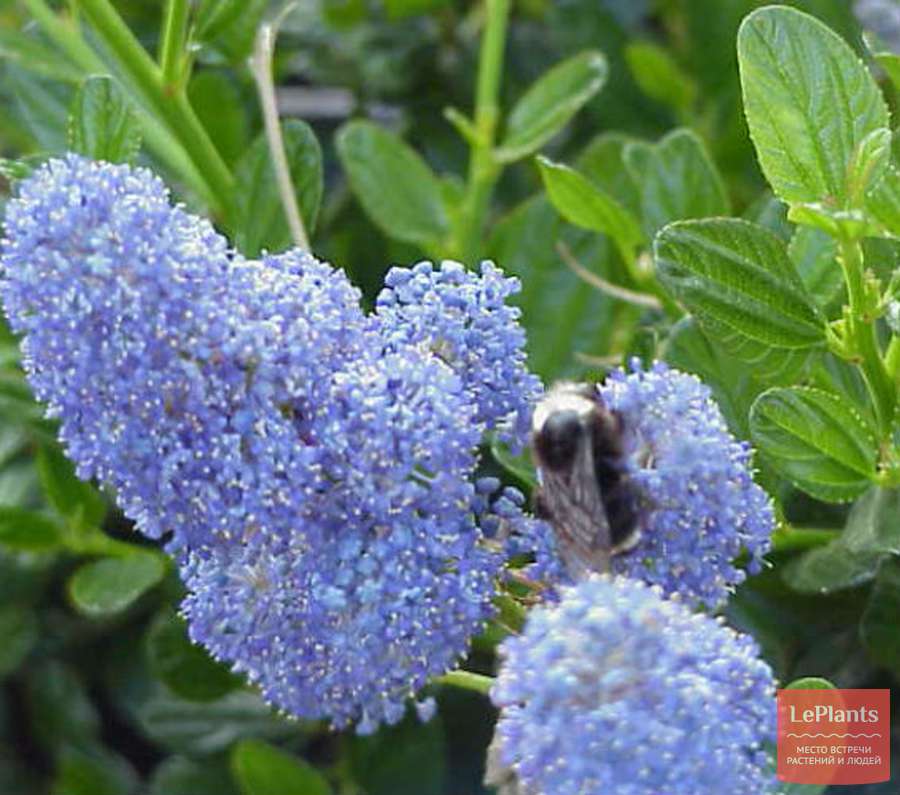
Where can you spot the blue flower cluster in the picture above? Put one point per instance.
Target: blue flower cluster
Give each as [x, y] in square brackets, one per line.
[310, 466]
[701, 507]
[616, 690]
[468, 324]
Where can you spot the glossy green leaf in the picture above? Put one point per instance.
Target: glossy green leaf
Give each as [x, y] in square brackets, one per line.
[810, 102]
[25, 530]
[810, 683]
[737, 280]
[816, 440]
[584, 204]
[393, 183]
[831, 568]
[677, 180]
[66, 493]
[185, 668]
[549, 104]
[878, 627]
[102, 123]
[108, 586]
[659, 76]
[873, 523]
[261, 220]
[263, 769]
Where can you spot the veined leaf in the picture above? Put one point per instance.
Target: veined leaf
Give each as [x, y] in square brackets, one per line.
[262, 223]
[810, 104]
[396, 188]
[547, 106]
[102, 124]
[816, 440]
[582, 203]
[677, 179]
[738, 275]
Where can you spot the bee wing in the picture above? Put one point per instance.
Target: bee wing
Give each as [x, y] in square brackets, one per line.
[574, 506]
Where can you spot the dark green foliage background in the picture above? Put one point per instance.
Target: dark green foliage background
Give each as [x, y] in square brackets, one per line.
[101, 693]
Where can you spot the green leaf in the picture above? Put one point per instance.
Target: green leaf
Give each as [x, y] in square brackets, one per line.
[179, 775]
[547, 106]
[878, 627]
[395, 186]
[816, 440]
[28, 531]
[890, 62]
[263, 769]
[659, 77]
[562, 316]
[197, 728]
[110, 585]
[519, 466]
[602, 161]
[873, 524]
[883, 201]
[102, 123]
[582, 203]
[59, 706]
[677, 180]
[66, 493]
[20, 630]
[185, 668]
[869, 163]
[738, 281]
[853, 224]
[216, 100]
[810, 683]
[93, 770]
[382, 763]
[831, 568]
[810, 102]
[814, 253]
[261, 221]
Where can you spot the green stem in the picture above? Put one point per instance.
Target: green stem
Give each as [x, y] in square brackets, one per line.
[174, 109]
[171, 46]
[483, 167]
[892, 359]
[261, 67]
[863, 337]
[467, 680]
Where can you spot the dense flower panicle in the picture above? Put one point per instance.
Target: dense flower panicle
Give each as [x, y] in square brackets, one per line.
[618, 691]
[183, 375]
[312, 466]
[701, 508]
[384, 581]
[464, 318]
